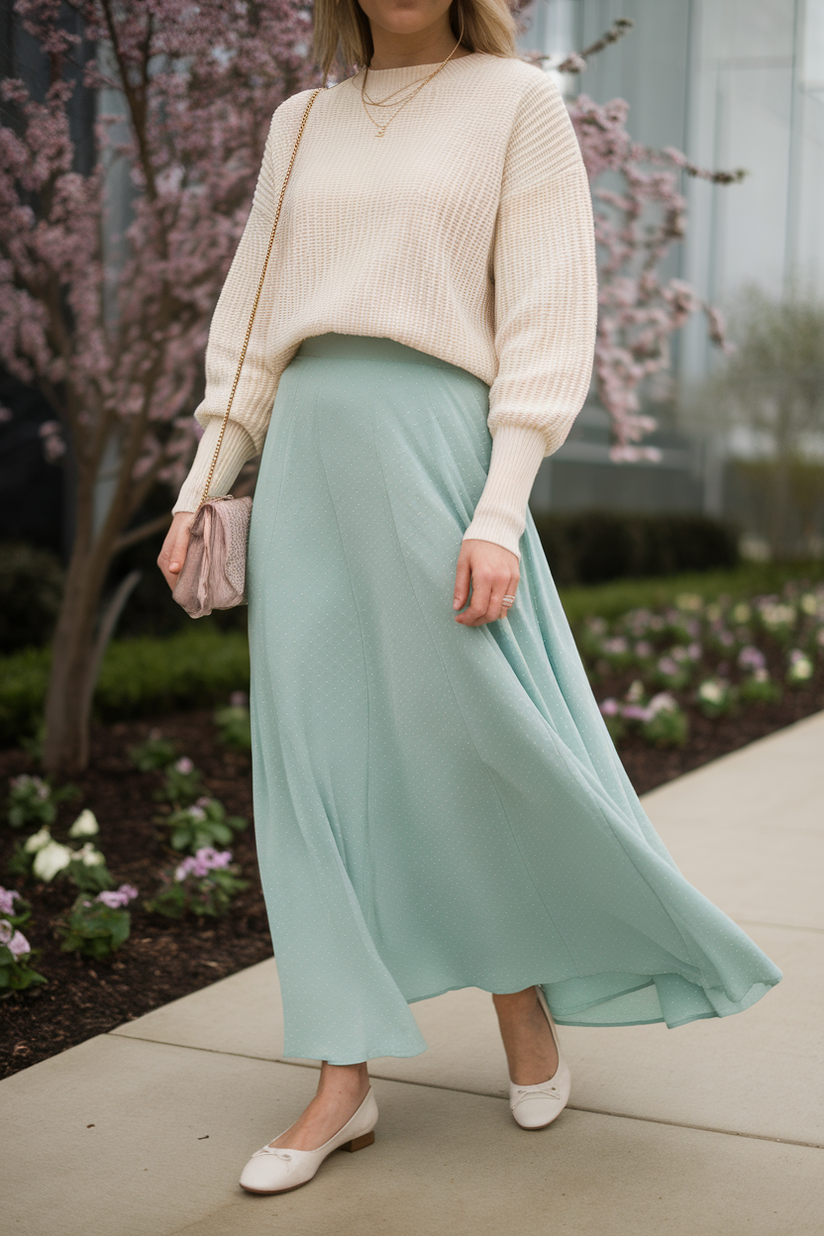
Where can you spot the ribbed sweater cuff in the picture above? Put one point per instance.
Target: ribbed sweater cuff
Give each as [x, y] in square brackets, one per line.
[235, 449]
[500, 515]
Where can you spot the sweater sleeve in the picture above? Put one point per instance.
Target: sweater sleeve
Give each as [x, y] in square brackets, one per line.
[545, 308]
[255, 394]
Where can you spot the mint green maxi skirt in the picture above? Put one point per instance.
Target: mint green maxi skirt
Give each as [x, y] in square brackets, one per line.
[439, 806]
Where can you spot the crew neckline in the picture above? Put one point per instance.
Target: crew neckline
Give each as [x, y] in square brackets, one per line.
[416, 68]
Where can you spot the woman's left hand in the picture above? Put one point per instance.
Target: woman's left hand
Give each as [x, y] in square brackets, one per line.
[493, 572]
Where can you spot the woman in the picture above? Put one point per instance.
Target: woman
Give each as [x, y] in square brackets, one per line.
[437, 801]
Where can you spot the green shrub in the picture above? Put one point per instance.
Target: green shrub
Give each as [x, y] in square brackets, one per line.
[234, 726]
[610, 601]
[668, 727]
[203, 884]
[97, 928]
[30, 802]
[183, 783]
[23, 680]
[195, 668]
[155, 753]
[203, 824]
[759, 688]
[192, 669]
[31, 585]
[33, 802]
[593, 547]
[16, 953]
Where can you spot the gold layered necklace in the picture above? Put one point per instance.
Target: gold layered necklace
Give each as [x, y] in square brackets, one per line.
[391, 100]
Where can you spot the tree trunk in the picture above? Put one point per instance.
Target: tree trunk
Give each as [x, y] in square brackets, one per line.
[781, 512]
[74, 664]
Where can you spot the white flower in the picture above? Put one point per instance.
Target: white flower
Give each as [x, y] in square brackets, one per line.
[88, 856]
[712, 691]
[689, 601]
[809, 603]
[742, 612]
[52, 858]
[85, 825]
[775, 615]
[801, 667]
[37, 841]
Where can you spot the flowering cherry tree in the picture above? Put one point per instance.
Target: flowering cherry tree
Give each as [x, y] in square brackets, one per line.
[112, 329]
[636, 225]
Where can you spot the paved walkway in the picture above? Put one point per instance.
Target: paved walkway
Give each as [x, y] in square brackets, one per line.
[714, 1128]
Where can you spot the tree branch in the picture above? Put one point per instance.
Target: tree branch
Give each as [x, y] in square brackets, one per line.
[135, 535]
[577, 61]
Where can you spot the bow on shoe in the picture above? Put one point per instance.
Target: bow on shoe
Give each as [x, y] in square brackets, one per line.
[279, 1154]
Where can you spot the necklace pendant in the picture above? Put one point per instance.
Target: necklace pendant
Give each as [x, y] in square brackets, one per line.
[380, 132]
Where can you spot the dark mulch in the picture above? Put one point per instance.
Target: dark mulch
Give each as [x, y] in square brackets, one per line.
[164, 959]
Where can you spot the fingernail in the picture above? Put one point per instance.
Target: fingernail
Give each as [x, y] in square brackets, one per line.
[456, 604]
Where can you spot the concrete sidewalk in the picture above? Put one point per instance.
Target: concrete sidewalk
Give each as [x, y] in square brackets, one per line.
[714, 1128]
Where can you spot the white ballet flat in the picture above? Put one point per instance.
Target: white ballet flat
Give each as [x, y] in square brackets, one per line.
[535, 1107]
[273, 1170]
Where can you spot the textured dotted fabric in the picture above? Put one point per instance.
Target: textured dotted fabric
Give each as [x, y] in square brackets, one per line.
[465, 232]
[436, 806]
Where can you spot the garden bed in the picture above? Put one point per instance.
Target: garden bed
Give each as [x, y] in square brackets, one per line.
[164, 959]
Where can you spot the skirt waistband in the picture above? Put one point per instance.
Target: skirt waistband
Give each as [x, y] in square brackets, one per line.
[369, 347]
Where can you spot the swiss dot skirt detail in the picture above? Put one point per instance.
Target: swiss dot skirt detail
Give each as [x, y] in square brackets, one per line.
[438, 806]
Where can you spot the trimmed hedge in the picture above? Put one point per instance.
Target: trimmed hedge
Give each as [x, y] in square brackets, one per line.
[745, 581]
[195, 668]
[200, 666]
[596, 546]
[31, 585]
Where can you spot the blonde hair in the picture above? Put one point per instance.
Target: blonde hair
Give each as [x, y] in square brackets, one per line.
[343, 39]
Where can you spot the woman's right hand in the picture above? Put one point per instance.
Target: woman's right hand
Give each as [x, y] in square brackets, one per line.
[173, 554]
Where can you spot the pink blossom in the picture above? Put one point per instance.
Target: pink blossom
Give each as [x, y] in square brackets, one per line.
[184, 765]
[636, 225]
[115, 899]
[610, 707]
[113, 329]
[114, 332]
[14, 941]
[8, 896]
[206, 859]
[18, 945]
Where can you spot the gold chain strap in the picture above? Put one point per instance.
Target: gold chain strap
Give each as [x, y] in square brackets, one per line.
[315, 94]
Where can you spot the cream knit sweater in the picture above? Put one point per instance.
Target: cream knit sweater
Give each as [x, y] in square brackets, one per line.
[465, 232]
